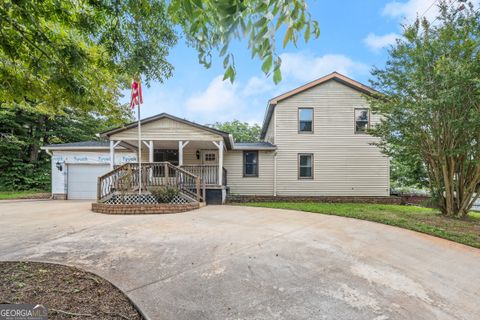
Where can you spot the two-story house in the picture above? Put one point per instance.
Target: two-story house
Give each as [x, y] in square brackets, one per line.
[313, 143]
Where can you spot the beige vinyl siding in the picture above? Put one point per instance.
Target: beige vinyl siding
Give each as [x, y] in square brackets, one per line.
[167, 129]
[261, 185]
[345, 163]
[190, 157]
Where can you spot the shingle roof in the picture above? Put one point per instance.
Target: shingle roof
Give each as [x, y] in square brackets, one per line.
[254, 146]
[81, 144]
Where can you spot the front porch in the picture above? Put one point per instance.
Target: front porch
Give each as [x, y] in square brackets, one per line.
[170, 152]
[203, 159]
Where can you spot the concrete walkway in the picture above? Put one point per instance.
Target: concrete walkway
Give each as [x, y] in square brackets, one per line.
[225, 262]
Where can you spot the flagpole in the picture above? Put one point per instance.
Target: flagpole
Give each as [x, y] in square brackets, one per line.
[139, 151]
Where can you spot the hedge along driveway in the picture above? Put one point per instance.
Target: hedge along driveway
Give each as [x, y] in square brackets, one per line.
[425, 220]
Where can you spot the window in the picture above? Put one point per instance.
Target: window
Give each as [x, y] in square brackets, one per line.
[362, 120]
[305, 166]
[305, 120]
[209, 156]
[250, 163]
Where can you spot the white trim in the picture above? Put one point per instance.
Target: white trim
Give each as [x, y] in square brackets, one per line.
[274, 126]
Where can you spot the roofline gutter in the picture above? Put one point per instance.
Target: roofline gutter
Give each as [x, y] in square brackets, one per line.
[255, 148]
[48, 149]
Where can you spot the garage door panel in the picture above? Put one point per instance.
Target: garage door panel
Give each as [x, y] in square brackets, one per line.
[82, 180]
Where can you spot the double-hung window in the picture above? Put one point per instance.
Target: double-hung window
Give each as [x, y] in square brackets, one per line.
[305, 120]
[305, 166]
[362, 120]
[250, 163]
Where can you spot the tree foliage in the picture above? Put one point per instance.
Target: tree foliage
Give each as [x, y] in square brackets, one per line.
[432, 107]
[57, 54]
[212, 25]
[241, 131]
[24, 131]
[79, 54]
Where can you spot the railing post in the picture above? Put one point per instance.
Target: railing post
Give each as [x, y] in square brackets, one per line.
[197, 186]
[204, 191]
[98, 188]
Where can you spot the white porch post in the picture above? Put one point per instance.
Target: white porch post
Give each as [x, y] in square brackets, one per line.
[113, 144]
[219, 145]
[181, 145]
[180, 153]
[149, 145]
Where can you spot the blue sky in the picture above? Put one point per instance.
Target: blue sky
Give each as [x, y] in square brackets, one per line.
[354, 37]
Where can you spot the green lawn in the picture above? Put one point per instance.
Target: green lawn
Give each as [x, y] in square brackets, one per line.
[4, 195]
[420, 219]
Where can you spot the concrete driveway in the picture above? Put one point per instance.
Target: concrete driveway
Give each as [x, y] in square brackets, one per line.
[226, 262]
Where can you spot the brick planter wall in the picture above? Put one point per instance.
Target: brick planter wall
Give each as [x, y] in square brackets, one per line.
[327, 199]
[159, 208]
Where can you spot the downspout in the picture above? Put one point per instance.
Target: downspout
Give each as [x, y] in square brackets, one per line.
[275, 154]
[275, 173]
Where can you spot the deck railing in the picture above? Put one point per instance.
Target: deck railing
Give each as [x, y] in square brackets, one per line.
[207, 172]
[124, 179]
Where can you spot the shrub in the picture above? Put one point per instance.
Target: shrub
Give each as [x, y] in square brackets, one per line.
[165, 194]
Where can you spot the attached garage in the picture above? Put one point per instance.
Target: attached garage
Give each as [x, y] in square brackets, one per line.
[76, 167]
[82, 180]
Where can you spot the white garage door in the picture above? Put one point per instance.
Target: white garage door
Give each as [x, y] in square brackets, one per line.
[82, 180]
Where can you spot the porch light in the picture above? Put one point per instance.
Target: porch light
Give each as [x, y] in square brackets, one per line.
[59, 166]
[198, 154]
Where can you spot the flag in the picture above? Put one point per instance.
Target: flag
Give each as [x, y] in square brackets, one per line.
[136, 98]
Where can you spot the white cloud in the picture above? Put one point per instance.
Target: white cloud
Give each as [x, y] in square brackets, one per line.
[375, 43]
[257, 85]
[218, 95]
[410, 9]
[304, 66]
[223, 101]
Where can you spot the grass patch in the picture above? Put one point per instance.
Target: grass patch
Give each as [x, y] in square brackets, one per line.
[429, 221]
[33, 194]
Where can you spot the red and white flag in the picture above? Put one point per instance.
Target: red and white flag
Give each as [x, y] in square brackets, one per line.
[136, 98]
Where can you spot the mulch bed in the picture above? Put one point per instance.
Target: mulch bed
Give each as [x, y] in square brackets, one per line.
[67, 292]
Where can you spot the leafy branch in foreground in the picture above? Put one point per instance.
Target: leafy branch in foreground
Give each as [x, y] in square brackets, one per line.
[80, 54]
[212, 25]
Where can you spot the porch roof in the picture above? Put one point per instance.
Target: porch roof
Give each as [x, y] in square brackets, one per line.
[226, 136]
[261, 145]
[84, 145]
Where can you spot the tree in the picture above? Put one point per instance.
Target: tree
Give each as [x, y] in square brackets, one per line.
[22, 165]
[80, 54]
[241, 131]
[431, 104]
